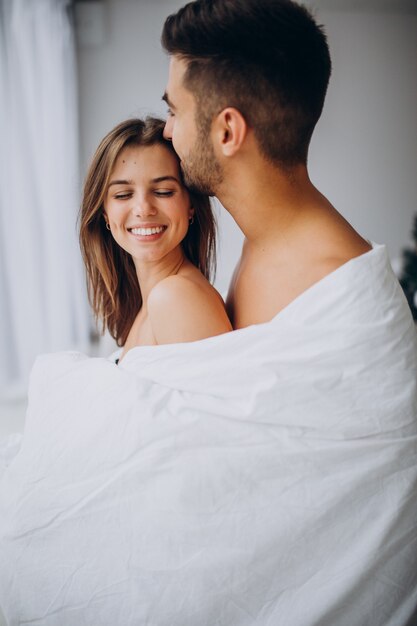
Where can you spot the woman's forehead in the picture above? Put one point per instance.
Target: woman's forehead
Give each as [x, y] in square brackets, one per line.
[147, 159]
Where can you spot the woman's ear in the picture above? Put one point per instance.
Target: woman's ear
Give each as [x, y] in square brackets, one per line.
[229, 131]
[191, 213]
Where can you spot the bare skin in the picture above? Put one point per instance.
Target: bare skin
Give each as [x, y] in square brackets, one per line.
[181, 307]
[293, 235]
[305, 239]
[145, 193]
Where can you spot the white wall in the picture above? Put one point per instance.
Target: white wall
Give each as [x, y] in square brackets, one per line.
[364, 152]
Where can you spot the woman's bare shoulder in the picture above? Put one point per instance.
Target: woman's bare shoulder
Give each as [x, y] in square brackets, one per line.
[181, 308]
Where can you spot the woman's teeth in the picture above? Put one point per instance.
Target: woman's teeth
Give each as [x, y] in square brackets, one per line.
[147, 231]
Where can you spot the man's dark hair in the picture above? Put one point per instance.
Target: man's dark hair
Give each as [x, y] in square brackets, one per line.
[267, 58]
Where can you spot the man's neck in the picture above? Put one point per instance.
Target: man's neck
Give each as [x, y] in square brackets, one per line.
[267, 202]
[294, 237]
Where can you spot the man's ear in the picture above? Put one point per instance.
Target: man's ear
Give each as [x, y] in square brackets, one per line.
[229, 131]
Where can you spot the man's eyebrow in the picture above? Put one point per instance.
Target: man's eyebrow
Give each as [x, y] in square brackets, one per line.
[166, 99]
[121, 182]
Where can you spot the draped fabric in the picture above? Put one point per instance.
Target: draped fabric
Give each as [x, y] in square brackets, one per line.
[42, 294]
[265, 477]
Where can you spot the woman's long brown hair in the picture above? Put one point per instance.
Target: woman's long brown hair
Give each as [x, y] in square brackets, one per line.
[112, 282]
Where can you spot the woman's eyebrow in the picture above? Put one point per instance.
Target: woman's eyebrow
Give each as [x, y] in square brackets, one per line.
[121, 182]
[160, 179]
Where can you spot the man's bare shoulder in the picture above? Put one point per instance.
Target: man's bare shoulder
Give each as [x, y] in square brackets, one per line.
[263, 284]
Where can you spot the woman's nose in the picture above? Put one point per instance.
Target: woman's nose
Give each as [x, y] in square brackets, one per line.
[143, 208]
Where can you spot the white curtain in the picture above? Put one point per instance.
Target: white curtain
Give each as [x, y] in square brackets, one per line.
[43, 304]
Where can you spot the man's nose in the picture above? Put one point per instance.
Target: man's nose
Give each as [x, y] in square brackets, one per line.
[168, 128]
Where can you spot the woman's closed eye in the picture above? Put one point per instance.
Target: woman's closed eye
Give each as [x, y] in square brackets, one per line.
[164, 193]
[122, 195]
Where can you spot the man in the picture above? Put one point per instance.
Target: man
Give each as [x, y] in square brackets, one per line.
[246, 87]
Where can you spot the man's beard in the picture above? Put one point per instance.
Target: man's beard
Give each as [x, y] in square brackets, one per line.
[201, 170]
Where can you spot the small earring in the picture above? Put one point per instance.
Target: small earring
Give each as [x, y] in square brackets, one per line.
[108, 226]
[191, 220]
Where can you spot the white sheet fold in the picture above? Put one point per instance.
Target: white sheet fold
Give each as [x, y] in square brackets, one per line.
[265, 477]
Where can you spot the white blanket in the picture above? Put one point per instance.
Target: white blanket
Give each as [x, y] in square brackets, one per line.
[266, 477]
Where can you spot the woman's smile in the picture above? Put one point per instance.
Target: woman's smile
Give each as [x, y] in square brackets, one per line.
[148, 232]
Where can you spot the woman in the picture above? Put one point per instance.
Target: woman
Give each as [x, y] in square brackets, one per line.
[148, 244]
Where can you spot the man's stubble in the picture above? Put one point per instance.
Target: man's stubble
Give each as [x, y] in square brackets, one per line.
[201, 170]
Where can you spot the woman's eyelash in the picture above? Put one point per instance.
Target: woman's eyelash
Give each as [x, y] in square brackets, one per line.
[159, 194]
[164, 194]
[122, 196]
